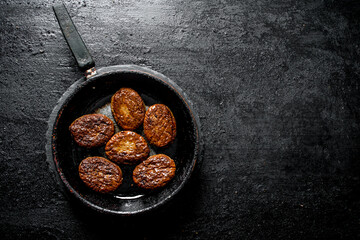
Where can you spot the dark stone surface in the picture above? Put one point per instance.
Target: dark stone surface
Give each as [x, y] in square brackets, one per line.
[276, 86]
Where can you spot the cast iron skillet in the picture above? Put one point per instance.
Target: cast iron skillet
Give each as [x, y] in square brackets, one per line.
[92, 94]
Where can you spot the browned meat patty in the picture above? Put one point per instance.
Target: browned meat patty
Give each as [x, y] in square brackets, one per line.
[159, 125]
[127, 147]
[100, 174]
[154, 172]
[92, 130]
[128, 108]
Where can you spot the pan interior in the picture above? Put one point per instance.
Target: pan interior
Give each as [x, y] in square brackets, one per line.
[93, 96]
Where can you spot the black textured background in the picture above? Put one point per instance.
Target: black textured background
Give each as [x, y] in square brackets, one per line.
[276, 86]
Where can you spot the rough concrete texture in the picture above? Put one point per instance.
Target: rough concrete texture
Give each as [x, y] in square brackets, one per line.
[276, 86]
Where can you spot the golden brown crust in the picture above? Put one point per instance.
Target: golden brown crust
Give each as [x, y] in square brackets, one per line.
[127, 147]
[92, 130]
[128, 108]
[159, 125]
[100, 174]
[154, 172]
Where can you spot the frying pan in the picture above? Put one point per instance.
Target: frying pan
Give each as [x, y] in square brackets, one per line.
[92, 94]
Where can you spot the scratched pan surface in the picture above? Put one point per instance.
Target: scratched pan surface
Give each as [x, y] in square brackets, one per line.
[93, 95]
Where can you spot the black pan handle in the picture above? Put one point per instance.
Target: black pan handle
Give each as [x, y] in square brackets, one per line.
[73, 38]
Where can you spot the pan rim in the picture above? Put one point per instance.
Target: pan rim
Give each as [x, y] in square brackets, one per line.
[61, 105]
